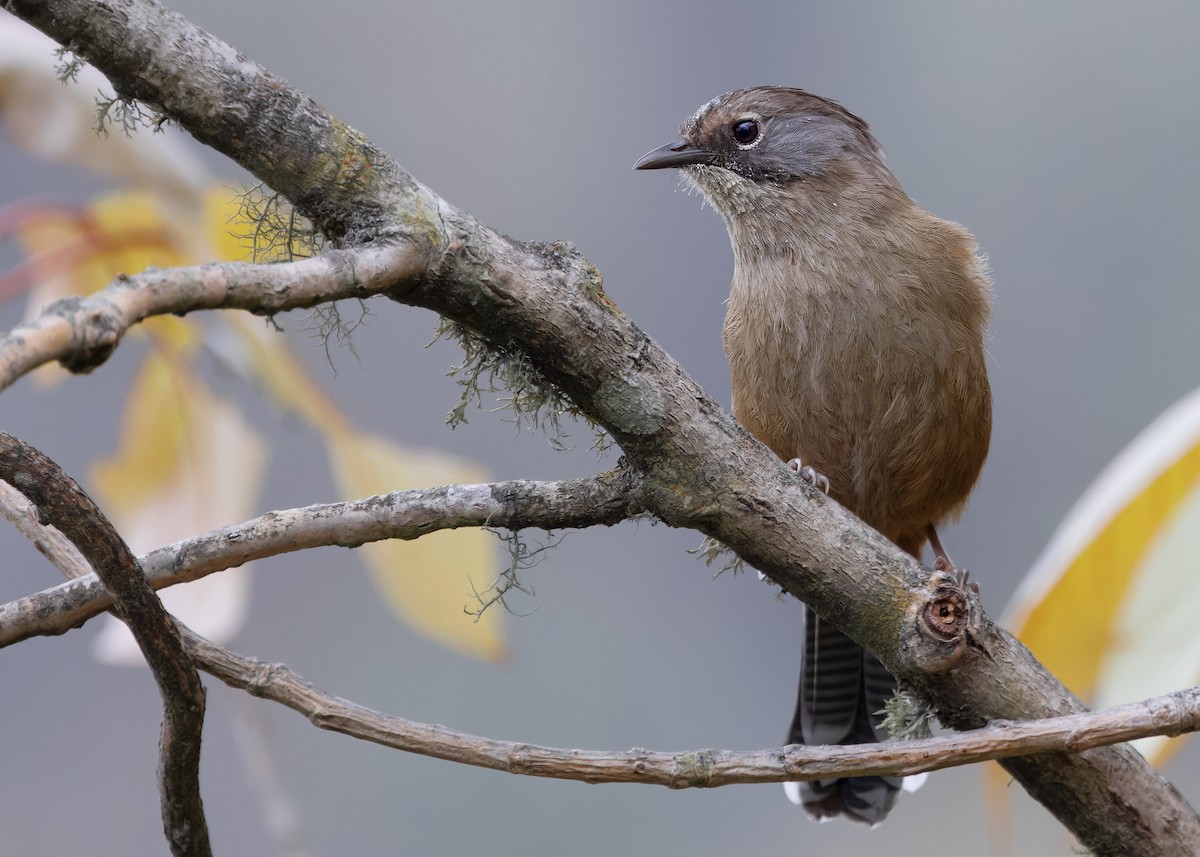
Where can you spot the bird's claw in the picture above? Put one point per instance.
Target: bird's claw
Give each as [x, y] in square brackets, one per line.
[960, 576]
[810, 475]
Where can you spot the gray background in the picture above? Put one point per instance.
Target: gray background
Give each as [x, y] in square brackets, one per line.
[1064, 135]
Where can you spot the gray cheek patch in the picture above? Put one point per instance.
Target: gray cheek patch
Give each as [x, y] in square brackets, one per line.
[797, 146]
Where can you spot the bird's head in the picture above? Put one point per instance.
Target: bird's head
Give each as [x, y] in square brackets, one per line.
[769, 137]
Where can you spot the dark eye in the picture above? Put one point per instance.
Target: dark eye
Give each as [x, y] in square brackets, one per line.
[746, 132]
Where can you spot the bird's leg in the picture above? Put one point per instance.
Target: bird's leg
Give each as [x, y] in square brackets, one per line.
[810, 475]
[943, 563]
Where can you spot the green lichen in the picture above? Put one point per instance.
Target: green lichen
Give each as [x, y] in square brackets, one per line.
[522, 556]
[907, 717]
[711, 550]
[68, 64]
[329, 324]
[127, 113]
[518, 385]
[271, 229]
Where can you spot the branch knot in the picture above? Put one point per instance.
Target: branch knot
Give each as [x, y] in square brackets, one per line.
[947, 621]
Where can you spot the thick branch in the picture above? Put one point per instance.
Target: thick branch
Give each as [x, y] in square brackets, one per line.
[546, 303]
[62, 503]
[591, 501]
[336, 175]
[1172, 714]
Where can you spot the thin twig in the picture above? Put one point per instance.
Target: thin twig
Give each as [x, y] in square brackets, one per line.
[17, 509]
[605, 499]
[1173, 714]
[81, 333]
[62, 503]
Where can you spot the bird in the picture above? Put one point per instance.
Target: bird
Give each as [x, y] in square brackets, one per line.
[854, 333]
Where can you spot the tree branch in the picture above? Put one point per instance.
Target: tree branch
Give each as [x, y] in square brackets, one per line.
[62, 503]
[81, 333]
[16, 508]
[606, 499]
[546, 304]
[1173, 714]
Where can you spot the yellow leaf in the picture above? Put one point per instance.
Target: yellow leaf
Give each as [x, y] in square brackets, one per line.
[153, 445]
[76, 252]
[264, 355]
[187, 463]
[1112, 606]
[226, 226]
[132, 231]
[426, 581]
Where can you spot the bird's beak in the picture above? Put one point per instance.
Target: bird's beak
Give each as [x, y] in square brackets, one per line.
[677, 154]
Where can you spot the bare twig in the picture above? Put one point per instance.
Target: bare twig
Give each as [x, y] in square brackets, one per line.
[590, 501]
[1172, 714]
[62, 503]
[81, 333]
[16, 508]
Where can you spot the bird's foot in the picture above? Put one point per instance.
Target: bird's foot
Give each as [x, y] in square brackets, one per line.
[958, 577]
[810, 475]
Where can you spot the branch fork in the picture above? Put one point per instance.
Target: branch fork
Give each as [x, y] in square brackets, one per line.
[697, 466]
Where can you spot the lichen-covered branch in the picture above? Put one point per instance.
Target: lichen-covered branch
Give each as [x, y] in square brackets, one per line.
[606, 499]
[546, 303]
[63, 504]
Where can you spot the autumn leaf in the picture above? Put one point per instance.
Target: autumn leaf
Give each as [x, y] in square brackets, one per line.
[187, 463]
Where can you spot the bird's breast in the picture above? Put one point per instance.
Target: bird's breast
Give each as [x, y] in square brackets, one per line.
[879, 385]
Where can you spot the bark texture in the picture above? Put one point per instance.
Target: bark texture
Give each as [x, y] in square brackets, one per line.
[545, 304]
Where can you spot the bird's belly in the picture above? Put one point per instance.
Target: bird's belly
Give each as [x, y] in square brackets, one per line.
[899, 428]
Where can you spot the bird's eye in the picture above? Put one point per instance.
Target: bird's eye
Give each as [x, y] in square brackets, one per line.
[746, 132]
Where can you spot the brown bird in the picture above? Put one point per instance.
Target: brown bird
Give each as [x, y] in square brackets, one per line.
[854, 335]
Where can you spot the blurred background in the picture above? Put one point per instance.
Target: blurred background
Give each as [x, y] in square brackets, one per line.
[1063, 135]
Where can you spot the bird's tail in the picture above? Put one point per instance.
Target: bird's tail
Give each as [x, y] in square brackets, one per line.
[842, 690]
